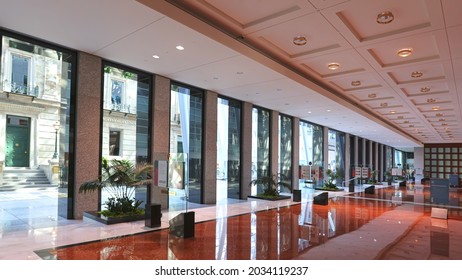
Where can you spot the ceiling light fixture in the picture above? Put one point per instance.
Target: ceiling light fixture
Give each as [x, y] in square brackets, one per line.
[416, 74]
[425, 89]
[385, 17]
[156, 56]
[384, 104]
[405, 52]
[299, 40]
[431, 100]
[442, 120]
[372, 95]
[355, 83]
[406, 121]
[435, 108]
[392, 112]
[439, 114]
[333, 66]
[400, 117]
[179, 47]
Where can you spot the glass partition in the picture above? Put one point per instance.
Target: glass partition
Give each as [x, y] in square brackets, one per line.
[260, 146]
[311, 151]
[285, 150]
[126, 122]
[228, 149]
[37, 96]
[186, 145]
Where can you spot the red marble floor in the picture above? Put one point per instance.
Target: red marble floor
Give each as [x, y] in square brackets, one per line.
[393, 223]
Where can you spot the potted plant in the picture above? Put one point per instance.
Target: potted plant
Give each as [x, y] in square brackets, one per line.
[329, 184]
[270, 186]
[120, 178]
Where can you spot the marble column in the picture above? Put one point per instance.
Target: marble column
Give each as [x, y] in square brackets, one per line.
[160, 130]
[246, 149]
[88, 130]
[274, 142]
[209, 163]
[295, 152]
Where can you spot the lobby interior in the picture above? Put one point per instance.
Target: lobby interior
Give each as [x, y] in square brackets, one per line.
[330, 63]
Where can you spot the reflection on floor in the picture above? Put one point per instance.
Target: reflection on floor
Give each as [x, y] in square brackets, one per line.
[393, 223]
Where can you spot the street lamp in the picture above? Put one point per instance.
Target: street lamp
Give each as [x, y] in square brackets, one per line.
[56, 127]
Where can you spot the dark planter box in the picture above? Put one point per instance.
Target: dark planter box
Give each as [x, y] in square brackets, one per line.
[183, 225]
[297, 195]
[152, 215]
[111, 220]
[321, 199]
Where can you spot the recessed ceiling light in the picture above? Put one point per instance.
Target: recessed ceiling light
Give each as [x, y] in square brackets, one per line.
[355, 83]
[385, 17]
[435, 108]
[439, 114]
[372, 95]
[405, 52]
[406, 121]
[442, 120]
[444, 124]
[156, 56]
[333, 66]
[400, 117]
[411, 125]
[299, 40]
[179, 47]
[239, 72]
[431, 100]
[309, 112]
[392, 112]
[328, 110]
[384, 104]
[425, 89]
[416, 74]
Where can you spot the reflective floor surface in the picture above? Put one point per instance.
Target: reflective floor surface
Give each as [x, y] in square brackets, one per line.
[393, 223]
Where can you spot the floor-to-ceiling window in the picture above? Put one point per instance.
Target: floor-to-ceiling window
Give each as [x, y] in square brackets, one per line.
[261, 124]
[185, 162]
[311, 151]
[285, 150]
[388, 159]
[228, 148]
[126, 121]
[336, 154]
[37, 112]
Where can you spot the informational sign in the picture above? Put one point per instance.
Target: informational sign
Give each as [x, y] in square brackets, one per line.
[396, 172]
[365, 172]
[304, 172]
[357, 172]
[160, 173]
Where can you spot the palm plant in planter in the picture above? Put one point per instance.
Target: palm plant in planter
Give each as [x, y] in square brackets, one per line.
[329, 185]
[120, 178]
[270, 185]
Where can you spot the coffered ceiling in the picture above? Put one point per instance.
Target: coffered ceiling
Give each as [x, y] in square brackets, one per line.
[246, 49]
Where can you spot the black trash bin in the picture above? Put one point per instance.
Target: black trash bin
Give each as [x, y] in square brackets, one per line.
[153, 215]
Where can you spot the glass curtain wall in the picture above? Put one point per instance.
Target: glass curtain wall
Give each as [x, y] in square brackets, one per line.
[185, 162]
[228, 148]
[336, 154]
[37, 127]
[285, 150]
[260, 146]
[126, 121]
[388, 158]
[311, 152]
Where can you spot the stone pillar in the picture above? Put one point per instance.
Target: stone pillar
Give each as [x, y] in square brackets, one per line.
[160, 130]
[88, 129]
[295, 152]
[246, 150]
[209, 162]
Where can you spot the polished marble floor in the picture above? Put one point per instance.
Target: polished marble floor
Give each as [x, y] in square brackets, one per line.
[393, 223]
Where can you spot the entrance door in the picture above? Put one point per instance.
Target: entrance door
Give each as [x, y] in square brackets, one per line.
[17, 141]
